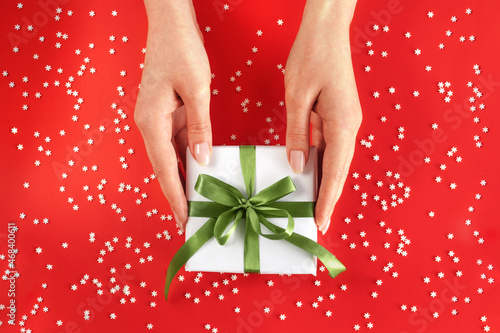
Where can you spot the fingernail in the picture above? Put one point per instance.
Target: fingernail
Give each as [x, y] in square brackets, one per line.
[202, 153]
[178, 222]
[297, 160]
[326, 225]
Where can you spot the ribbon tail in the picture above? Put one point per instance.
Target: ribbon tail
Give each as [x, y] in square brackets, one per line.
[332, 264]
[187, 250]
[251, 254]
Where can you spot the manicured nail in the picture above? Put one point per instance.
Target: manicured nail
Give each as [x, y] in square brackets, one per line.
[326, 225]
[202, 153]
[179, 224]
[297, 160]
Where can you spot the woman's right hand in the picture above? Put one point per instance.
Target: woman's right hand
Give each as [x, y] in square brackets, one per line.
[172, 110]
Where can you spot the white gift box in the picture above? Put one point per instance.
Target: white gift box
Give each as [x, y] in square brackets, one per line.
[276, 256]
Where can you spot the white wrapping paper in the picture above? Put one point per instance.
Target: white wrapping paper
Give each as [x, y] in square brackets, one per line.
[276, 256]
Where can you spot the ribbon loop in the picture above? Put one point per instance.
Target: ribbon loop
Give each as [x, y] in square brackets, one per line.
[274, 234]
[233, 215]
[276, 191]
[218, 191]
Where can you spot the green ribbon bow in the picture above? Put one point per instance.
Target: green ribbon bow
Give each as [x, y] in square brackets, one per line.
[229, 205]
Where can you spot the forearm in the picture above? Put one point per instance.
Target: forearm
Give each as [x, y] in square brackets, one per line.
[173, 34]
[334, 15]
[168, 15]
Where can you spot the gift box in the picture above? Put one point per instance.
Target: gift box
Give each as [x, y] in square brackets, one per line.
[248, 212]
[271, 165]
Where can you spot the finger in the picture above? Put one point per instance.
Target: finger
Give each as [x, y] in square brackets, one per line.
[337, 157]
[199, 129]
[157, 134]
[317, 132]
[180, 145]
[297, 131]
[179, 133]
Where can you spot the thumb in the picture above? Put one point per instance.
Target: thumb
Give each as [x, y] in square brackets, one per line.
[199, 129]
[297, 135]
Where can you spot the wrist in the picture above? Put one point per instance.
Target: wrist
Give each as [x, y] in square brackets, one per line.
[335, 14]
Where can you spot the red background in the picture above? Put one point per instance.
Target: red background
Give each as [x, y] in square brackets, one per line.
[229, 45]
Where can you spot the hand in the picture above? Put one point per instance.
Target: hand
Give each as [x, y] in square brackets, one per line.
[320, 89]
[172, 110]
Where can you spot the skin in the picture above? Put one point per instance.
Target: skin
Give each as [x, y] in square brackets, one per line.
[320, 88]
[172, 110]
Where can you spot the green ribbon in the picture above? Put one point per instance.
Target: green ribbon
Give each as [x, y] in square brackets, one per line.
[229, 206]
